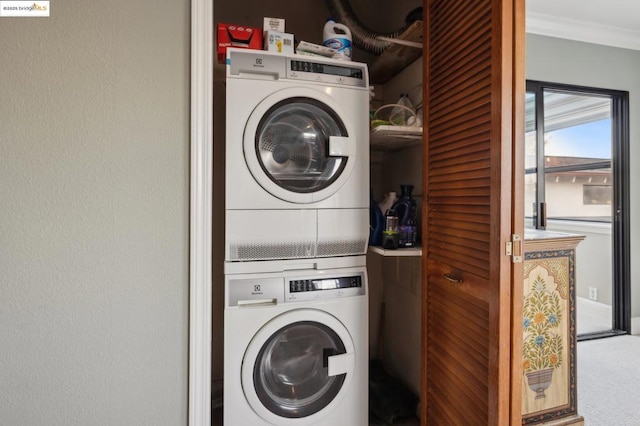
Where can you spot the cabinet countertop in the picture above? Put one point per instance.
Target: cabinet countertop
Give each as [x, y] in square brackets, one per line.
[410, 251]
[536, 239]
[539, 234]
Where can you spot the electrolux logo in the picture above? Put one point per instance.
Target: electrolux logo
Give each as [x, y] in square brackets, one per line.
[29, 9]
[258, 63]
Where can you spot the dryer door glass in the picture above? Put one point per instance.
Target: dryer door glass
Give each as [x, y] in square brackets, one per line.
[292, 145]
[290, 374]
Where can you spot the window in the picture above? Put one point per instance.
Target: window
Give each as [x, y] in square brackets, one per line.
[577, 182]
[597, 194]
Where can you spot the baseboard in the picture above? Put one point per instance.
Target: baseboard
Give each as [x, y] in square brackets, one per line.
[635, 325]
[594, 307]
[575, 420]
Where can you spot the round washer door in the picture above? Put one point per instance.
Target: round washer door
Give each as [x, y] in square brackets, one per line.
[299, 145]
[297, 367]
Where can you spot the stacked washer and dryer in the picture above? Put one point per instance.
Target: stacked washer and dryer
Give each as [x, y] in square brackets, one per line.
[296, 233]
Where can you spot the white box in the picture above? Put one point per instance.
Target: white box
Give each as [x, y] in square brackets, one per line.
[273, 24]
[276, 41]
[306, 48]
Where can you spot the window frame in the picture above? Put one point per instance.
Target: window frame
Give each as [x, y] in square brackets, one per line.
[621, 296]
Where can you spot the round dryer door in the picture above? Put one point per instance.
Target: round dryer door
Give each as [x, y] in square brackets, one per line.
[298, 145]
[297, 367]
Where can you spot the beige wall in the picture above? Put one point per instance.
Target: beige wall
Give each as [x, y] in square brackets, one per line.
[94, 196]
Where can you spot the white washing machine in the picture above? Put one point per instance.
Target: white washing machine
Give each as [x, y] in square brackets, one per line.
[297, 157]
[296, 348]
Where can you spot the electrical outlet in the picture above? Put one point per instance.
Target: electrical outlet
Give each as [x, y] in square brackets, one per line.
[593, 293]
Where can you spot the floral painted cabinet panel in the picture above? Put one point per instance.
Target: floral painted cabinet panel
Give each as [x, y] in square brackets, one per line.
[549, 329]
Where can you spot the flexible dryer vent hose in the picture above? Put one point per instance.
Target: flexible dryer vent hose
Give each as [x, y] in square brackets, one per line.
[363, 38]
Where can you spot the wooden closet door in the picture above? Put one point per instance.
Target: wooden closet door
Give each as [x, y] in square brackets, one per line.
[473, 178]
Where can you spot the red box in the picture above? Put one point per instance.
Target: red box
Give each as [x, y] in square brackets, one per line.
[230, 35]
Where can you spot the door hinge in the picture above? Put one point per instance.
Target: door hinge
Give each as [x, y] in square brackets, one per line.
[514, 248]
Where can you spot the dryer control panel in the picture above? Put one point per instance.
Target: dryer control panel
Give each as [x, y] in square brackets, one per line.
[342, 74]
[260, 64]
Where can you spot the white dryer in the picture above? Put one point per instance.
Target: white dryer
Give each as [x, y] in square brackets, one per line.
[296, 348]
[297, 157]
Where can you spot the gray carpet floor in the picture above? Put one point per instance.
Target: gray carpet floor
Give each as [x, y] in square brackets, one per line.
[609, 381]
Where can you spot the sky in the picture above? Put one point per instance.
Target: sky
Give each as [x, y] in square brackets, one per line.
[590, 140]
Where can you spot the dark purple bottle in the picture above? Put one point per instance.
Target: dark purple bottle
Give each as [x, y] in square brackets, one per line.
[405, 209]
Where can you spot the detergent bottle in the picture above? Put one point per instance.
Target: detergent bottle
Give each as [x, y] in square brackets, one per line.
[376, 223]
[337, 36]
[389, 199]
[405, 209]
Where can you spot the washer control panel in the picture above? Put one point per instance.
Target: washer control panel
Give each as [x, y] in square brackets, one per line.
[270, 289]
[317, 288]
[298, 286]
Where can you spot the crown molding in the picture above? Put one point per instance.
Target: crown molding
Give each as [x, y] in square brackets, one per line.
[584, 31]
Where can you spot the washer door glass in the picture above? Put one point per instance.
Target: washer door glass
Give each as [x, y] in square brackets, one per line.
[290, 374]
[292, 145]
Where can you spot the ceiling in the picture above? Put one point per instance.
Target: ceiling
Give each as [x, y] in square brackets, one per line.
[562, 110]
[612, 22]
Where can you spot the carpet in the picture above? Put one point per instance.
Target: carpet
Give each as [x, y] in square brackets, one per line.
[609, 381]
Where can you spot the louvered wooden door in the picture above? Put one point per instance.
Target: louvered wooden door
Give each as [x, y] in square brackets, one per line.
[473, 91]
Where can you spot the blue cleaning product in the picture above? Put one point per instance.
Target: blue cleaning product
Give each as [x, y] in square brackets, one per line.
[337, 36]
[405, 209]
[376, 223]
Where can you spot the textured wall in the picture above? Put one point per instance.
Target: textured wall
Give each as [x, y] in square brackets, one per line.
[571, 62]
[94, 195]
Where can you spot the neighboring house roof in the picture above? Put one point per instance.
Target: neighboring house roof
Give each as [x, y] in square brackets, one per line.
[572, 161]
[575, 166]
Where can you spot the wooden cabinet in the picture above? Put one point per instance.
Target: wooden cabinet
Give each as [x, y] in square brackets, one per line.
[549, 388]
[473, 152]
[471, 162]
